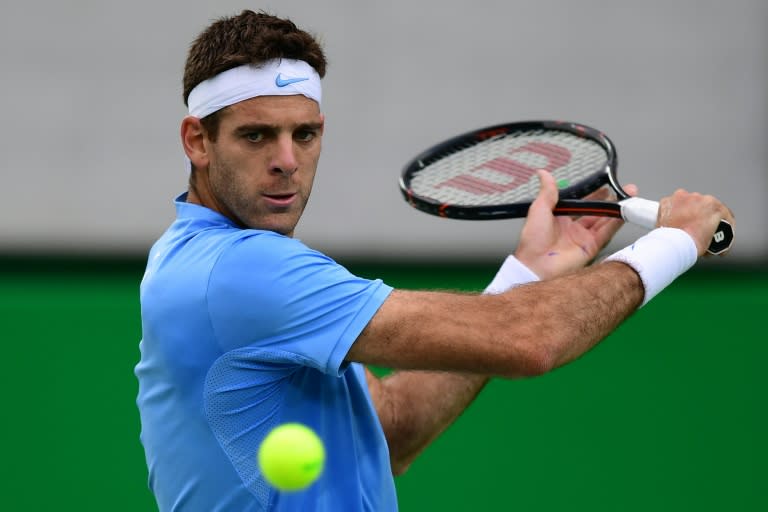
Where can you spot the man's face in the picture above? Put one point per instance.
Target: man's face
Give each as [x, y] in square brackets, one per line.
[263, 162]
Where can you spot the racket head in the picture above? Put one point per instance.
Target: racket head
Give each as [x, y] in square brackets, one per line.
[489, 173]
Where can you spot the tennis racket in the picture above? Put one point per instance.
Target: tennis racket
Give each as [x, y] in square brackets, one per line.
[488, 174]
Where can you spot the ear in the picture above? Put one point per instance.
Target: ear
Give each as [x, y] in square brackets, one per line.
[192, 139]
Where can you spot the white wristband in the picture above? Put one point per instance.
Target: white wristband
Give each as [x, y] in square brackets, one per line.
[511, 273]
[659, 258]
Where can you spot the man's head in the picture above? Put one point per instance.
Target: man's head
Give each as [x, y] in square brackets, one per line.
[252, 85]
[248, 38]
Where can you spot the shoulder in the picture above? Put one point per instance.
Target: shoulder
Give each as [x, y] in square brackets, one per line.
[270, 265]
[285, 294]
[269, 254]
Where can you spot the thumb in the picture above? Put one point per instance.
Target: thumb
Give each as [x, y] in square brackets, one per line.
[548, 194]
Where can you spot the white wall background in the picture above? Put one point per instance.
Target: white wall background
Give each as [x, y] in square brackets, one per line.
[90, 96]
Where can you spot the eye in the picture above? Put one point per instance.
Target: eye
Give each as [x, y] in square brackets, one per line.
[305, 135]
[254, 136]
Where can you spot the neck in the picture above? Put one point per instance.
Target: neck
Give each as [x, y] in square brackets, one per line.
[199, 192]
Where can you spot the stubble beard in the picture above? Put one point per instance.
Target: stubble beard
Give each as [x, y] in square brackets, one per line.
[236, 198]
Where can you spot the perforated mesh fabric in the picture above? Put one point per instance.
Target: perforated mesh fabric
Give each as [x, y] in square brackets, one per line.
[501, 170]
[230, 383]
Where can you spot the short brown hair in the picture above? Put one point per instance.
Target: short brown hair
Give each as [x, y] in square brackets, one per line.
[248, 38]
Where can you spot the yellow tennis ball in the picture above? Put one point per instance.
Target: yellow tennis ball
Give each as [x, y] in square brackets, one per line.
[291, 457]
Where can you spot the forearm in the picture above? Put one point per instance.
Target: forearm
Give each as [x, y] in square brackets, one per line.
[526, 331]
[569, 324]
[552, 323]
[415, 407]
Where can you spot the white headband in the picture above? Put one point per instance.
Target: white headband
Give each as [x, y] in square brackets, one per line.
[277, 77]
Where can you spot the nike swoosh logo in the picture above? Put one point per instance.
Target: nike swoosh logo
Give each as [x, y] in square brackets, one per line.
[282, 82]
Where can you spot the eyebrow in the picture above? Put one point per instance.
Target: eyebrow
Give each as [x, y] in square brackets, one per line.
[260, 127]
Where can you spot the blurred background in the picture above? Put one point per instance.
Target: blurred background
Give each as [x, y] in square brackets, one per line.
[667, 414]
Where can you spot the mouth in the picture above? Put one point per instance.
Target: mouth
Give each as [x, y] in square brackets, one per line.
[280, 200]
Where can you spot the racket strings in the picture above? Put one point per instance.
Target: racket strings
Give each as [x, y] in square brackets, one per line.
[502, 169]
[446, 153]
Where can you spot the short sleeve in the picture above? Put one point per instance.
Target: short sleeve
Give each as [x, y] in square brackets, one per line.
[273, 293]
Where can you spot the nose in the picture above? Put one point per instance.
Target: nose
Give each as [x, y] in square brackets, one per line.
[284, 159]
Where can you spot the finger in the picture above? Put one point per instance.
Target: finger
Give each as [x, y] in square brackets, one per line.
[631, 189]
[548, 194]
[605, 229]
[589, 221]
[594, 223]
[727, 214]
[605, 193]
[602, 194]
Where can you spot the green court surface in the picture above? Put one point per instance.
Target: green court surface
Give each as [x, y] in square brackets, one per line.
[669, 413]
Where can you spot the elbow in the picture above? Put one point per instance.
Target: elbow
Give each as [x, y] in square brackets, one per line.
[534, 360]
[405, 442]
[399, 467]
[402, 452]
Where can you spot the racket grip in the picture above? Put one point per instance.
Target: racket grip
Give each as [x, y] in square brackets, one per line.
[644, 213]
[640, 212]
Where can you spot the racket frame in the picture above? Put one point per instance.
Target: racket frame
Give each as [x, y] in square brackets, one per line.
[569, 203]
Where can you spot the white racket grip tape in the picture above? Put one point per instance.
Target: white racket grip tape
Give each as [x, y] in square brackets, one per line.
[511, 273]
[640, 212]
[659, 258]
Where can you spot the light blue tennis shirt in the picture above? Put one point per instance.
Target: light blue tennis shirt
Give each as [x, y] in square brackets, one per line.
[243, 330]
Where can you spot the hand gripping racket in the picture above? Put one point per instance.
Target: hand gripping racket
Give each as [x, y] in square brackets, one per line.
[487, 174]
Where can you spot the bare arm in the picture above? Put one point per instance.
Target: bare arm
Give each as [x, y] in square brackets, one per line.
[526, 331]
[460, 339]
[414, 406]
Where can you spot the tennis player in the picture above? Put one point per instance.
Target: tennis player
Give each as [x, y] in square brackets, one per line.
[245, 327]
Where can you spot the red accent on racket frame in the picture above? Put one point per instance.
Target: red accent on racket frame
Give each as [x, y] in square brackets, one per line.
[489, 134]
[599, 212]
